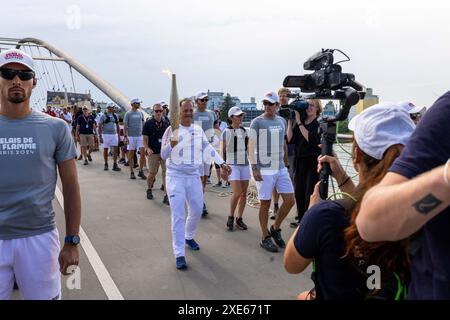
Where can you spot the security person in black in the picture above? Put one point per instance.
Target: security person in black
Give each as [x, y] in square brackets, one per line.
[152, 134]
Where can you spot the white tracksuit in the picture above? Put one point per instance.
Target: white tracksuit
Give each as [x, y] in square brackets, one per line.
[183, 184]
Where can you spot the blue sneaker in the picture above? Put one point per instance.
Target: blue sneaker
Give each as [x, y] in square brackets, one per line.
[192, 244]
[181, 263]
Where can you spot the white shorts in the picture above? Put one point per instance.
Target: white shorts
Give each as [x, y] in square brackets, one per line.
[239, 173]
[279, 180]
[110, 140]
[33, 262]
[135, 143]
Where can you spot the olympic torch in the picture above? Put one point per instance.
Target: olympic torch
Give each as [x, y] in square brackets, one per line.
[174, 109]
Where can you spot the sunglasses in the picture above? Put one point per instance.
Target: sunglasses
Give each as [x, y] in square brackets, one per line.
[267, 103]
[204, 100]
[239, 116]
[10, 74]
[158, 111]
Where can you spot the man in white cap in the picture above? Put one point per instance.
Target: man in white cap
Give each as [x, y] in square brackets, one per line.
[34, 148]
[109, 133]
[268, 157]
[415, 112]
[133, 123]
[183, 157]
[205, 119]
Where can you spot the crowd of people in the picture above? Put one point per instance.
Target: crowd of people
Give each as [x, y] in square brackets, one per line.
[395, 218]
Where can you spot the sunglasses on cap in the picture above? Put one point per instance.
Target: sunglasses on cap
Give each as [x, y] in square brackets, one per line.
[10, 74]
[268, 103]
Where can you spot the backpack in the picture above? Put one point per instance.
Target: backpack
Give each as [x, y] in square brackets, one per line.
[235, 142]
[108, 120]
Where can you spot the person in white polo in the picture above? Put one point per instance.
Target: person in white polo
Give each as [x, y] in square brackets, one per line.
[108, 130]
[267, 152]
[132, 127]
[185, 151]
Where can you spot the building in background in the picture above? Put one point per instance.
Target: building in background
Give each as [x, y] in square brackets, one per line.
[369, 100]
[58, 99]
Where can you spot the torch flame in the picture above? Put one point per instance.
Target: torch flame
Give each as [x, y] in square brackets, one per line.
[168, 72]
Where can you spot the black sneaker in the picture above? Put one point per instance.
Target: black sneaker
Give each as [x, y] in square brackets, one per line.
[126, 164]
[80, 157]
[166, 200]
[135, 166]
[122, 161]
[219, 184]
[268, 244]
[142, 175]
[240, 224]
[205, 211]
[162, 187]
[230, 223]
[149, 194]
[276, 235]
[106, 167]
[132, 176]
[89, 158]
[86, 162]
[116, 167]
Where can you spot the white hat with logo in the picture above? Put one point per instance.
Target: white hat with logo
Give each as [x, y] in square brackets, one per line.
[381, 126]
[16, 56]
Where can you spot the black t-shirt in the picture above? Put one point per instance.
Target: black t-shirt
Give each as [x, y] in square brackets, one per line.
[321, 237]
[305, 148]
[155, 131]
[428, 148]
[86, 124]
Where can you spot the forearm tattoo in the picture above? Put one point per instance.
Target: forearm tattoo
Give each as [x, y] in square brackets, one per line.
[427, 204]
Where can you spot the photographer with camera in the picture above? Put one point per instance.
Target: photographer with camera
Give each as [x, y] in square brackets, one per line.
[327, 232]
[305, 135]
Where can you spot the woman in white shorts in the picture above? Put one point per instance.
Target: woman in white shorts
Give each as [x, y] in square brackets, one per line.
[234, 152]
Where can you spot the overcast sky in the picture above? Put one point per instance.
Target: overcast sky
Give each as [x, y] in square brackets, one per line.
[246, 48]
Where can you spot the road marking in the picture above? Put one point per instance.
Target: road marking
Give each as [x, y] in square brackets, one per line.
[110, 288]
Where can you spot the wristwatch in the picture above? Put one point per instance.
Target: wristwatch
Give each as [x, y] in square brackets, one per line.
[255, 167]
[74, 240]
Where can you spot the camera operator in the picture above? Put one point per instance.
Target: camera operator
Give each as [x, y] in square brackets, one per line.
[305, 135]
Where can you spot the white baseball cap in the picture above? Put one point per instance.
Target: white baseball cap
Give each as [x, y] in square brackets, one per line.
[381, 126]
[272, 97]
[135, 100]
[411, 108]
[16, 56]
[110, 105]
[162, 103]
[201, 95]
[235, 111]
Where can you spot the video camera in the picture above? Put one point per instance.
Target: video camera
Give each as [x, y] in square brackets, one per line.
[327, 82]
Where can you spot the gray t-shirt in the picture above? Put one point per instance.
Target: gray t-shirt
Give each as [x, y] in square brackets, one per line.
[109, 126]
[205, 119]
[30, 149]
[269, 135]
[235, 146]
[134, 120]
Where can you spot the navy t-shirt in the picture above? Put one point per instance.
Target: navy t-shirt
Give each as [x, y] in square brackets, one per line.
[155, 131]
[86, 124]
[321, 237]
[428, 148]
